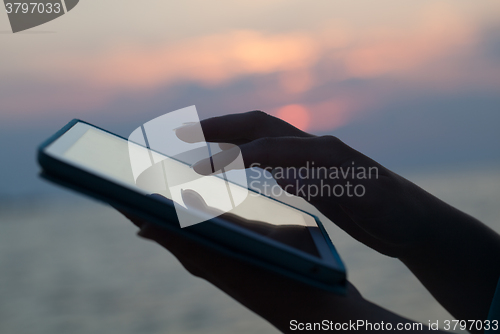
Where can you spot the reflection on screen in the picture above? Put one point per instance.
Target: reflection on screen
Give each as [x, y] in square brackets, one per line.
[108, 156]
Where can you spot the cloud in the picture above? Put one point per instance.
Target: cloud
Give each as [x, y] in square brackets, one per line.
[436, 32]
[439, 33]
[436, 46]
[209, 60]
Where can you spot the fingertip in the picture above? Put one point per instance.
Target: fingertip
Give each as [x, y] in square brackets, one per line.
[148, 231]
[226, 146]
[190, 132]
[203, 167]
[133, 219]
[142, 233]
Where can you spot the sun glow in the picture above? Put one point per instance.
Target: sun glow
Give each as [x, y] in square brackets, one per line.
[296, 115]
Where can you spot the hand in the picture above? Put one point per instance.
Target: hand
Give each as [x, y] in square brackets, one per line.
[446, 249]
[276, 298]
[392, 215]
[272, 296]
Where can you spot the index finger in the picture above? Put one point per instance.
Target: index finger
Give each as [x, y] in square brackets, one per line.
[239, 128]
[285, 152]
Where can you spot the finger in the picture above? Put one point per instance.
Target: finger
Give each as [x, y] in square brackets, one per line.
[195, 201]
[228, 146]
[284, 152]
[137, 221]
[134, 219]
[324, 151]
[295, 152]
[198, 259]
[177, 245]
[243, 281]
[338, 183]
[218, 162]
[240, 128]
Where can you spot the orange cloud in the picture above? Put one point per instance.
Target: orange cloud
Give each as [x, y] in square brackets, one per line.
[423, 50]
[439, 33]
[296, 81]
[434, 33]
[209, 60]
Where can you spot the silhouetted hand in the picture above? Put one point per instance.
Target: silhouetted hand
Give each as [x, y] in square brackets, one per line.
[392, 215]
[278, 299]
[450, 252]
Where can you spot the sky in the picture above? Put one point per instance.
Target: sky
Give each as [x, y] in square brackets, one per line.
[410, 83]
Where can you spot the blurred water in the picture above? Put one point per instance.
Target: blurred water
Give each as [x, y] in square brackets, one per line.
[74, 266]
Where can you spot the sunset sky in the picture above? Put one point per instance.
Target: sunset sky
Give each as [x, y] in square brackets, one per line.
[325, 66]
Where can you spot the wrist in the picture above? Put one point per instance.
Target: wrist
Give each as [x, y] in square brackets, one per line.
[437, 225]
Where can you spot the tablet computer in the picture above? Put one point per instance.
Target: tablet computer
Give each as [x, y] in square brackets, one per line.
[261, 230]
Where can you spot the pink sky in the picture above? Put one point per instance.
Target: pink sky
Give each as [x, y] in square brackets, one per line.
[432, 44]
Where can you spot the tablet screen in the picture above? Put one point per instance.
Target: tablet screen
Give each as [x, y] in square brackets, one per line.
[107, 155]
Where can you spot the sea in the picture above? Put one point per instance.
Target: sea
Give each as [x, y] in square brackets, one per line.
[69, 264]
